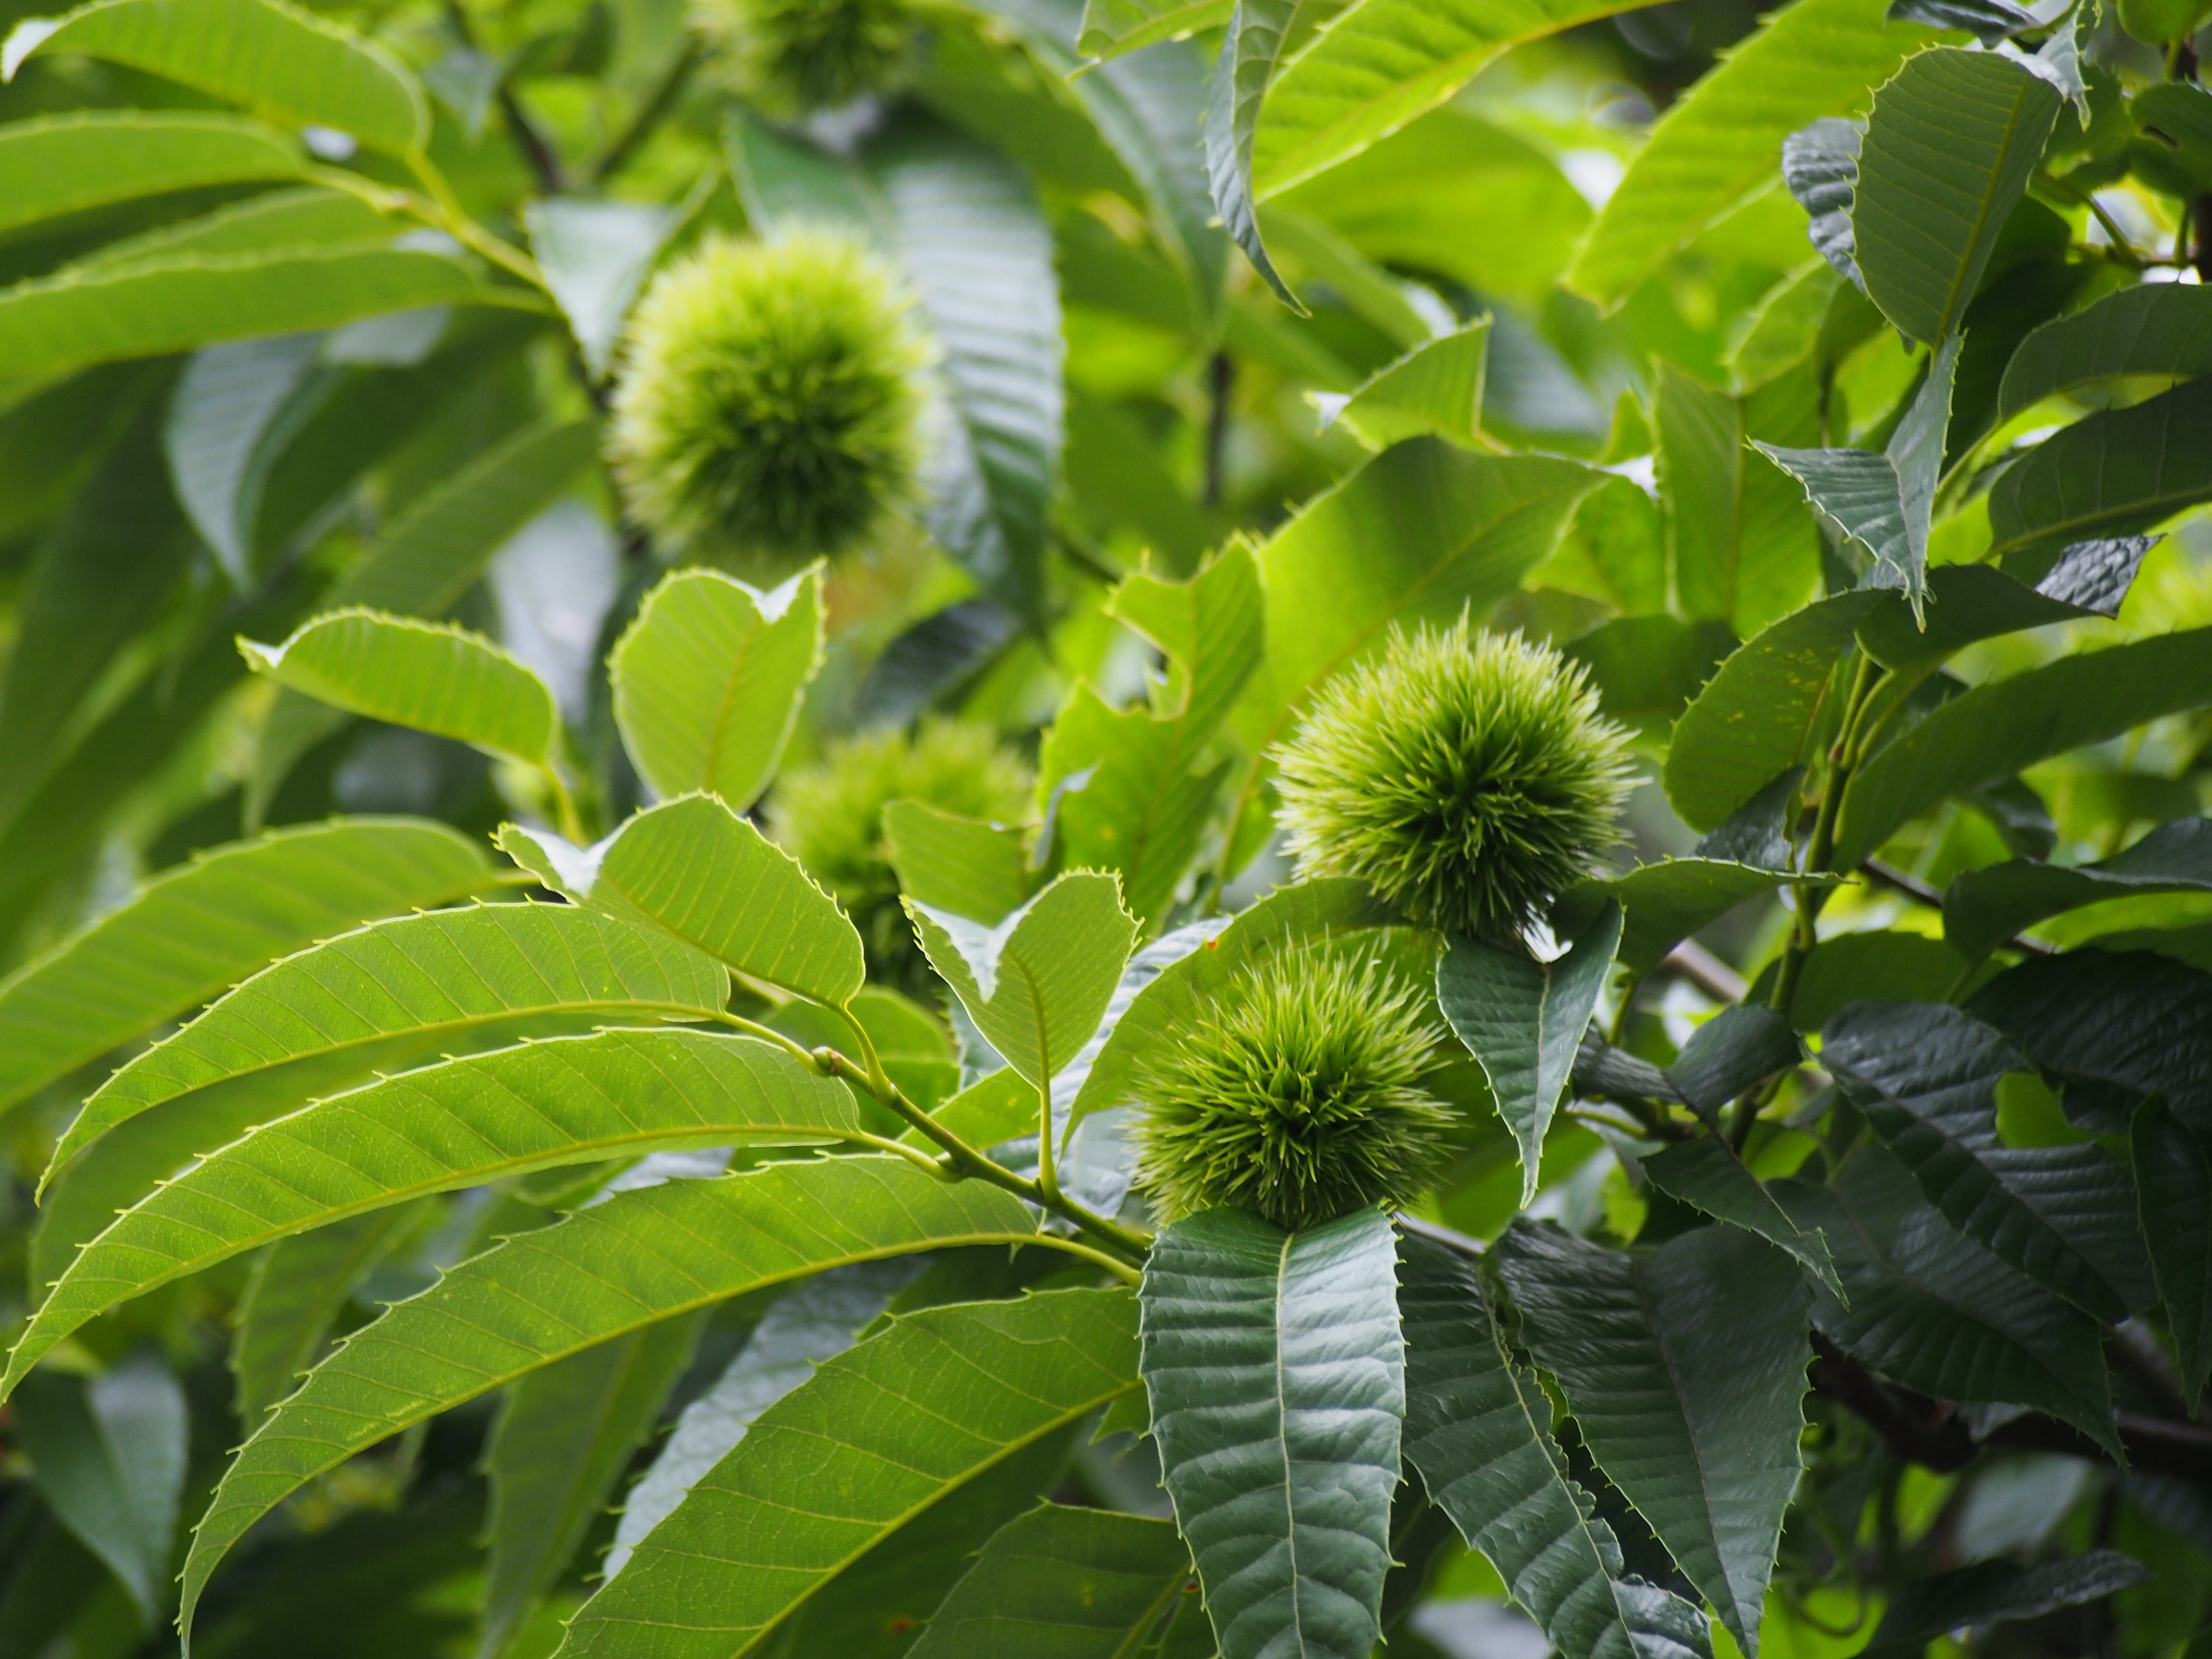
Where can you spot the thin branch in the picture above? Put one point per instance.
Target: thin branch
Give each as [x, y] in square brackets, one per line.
[1220, 379]
[1901, 881]
[651, 113]
[1692, 961]
[1458, 1243]
[538, 151]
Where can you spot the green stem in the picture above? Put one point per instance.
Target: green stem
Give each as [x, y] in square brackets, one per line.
[452, 218]
[651, 113]
[564, 808]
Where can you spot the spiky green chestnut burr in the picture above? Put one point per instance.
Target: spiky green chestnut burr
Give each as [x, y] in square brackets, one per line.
[1296, 1097]
[769, 407]
[830, 816]
[794, 57]
[1466, 776]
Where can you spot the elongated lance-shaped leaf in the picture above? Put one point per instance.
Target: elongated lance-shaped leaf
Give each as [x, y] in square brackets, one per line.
[63, 164]
[568, 1100]
[1984, 908]
[1479, 1428]
[1999, 729]
[233, 409]
[1933, 1310]
[107, 313]
[1112, 27]
[1663, 904]
[194, 931]
[1995, 1592]
[1884, 505]
[818, 1321]
[403, 988]
[1707, 1175]
[1063, 1583]
[2174, 1188]
[2160, 329]
[1433, 391]
[299, 1286]
[693, 868]
[428, 559]
[1251, 54]
[1926, 1077]
[876, 1437]
[708, 681]
[1949, 146]
[1522, 1020]
[263, 53]
[400, 995]
[564, 1436]
[1305, 913]
[305, 217]
[1684, 1368]
[1037, 984]
[1276, 1374]
[440, 679]
[1719, 145]
[1380, 64]
[109, 1456]
[640, 1257]
[2109, 474]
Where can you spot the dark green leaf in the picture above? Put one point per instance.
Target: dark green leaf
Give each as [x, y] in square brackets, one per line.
[1989, 21]
[1707, 1175]
[1062, 1584]
[1947, 152]
[2108, 474]
[1647, 668]
[1738, 549]
[1886, 966]
[1996, 1592]
[2162, 328]
[235, 408]
[1523, 1020]
[2174, 1187]
[1684, 1368]
[1740, 1047]
[1479, 1428]
[1251, 55]
[1933, 1310]
[902, 1421]
[1996, 730]
[1277, 1378]
[2131, 1018]
[1984, 908]
[1665, 902]
[1926, 1077]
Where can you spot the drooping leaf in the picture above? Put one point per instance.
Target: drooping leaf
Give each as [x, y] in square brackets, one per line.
[564, 1436]
[1646, 669]
[1111, 27]
[570, 1100]
[1820, 166]
[708, 681]
[1926, 1077]
[1684, 1368]
[1479, 1428]
[1933, 1310]
[430, 556]
[1433, 391]
[1664, 903]
[1063, 1583]
[818, 1322]
[437, 678]
[1037, 983]
[2132, 1018]
[1739, 1048]
[1707, 1175]
[265, 54]
[972, 869]
[694, 869]
[1251, 57]
[51, 325]
[1883, 505]
[396, 993]
[1144, 798]
[2164, 328]
[595, 257]
[1380, 63]
[673, 1247]
[1971, 602]
[931, 659]
[62, 164]
[1754, 718]
[1292, 916]
[878, 1434]
[1522, 1020]
[1997, 730]
[298, 1287]
[1989, 21]
[1948, 149]
[109, 1456]
[1417, 534]
[964, 223]
[1995, 1592]
[1720, 145]
[227, 419]
[2109, 474]
[2174, 1188]
[1984, 908]
[195, 930]
[1276, 1375]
